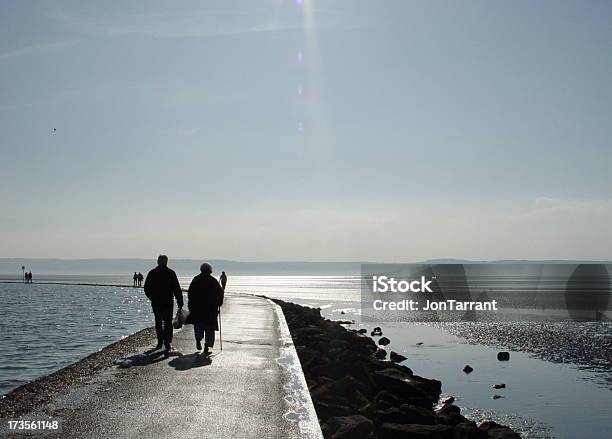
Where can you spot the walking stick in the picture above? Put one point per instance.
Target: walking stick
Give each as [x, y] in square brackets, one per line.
[220, 333]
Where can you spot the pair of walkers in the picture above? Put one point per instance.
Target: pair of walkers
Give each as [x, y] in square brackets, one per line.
[138, 278]
[205, 297]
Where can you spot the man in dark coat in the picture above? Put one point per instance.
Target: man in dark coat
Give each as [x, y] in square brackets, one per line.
[162, 287]
[205, 299]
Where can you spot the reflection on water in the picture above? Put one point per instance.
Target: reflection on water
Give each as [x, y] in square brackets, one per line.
[46, 327]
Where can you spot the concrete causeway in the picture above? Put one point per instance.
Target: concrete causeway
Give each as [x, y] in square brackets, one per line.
[254, 388]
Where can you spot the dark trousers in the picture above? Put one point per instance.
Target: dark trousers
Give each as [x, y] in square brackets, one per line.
[199, 329]
[163, 323]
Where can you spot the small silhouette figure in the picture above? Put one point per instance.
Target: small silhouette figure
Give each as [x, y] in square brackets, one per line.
[29, 277]
[140, 279]
[223, 280]
[135, 277]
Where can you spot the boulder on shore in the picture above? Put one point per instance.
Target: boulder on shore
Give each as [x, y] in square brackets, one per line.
[381, 354]
[496, 431]
[376, 332]
[503, 356]
[348, 427]
[403, 431]
[384, 341]
[396, 358]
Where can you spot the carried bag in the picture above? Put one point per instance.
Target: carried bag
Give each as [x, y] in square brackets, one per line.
[179, 318]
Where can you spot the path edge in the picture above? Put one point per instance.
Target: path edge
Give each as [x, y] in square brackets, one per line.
[298, 396]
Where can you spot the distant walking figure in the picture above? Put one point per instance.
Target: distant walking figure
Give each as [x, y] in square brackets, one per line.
[162, 287]
[135, 277]
[29, 277]
[205, 299]
[223, 280]
[140, 279]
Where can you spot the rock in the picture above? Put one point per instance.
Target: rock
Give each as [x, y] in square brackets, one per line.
[466, 430]
[419, 343]
[346, 391]
[389, 397]
[363, 331]
[326, 411]
[381, 354]
[358, 370]
[468, 369]
[448, 409]
[496, 397]
[496, 431]
[503, 356]
[344, 322]
[392, 414]
[499, 386]
[404, 385]
[391, 375]
[448, 400]
[419, 402]
[317, 366]
[342, 312]
[384, 405]
[418, 415]
[376, 332]
[396, 358]
[454, 419]
[403, 431]
[405, 415]
[306, 331]
[348, 427]
[384, 341]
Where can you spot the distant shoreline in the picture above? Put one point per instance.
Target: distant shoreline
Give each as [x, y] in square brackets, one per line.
[87, 284]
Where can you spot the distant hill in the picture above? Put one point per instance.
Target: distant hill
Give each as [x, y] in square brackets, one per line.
[47, 266]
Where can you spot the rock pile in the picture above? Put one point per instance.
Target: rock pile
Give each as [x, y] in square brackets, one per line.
[358, 396]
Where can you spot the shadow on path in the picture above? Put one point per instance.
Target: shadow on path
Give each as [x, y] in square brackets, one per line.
[145, 358]
[186, 362]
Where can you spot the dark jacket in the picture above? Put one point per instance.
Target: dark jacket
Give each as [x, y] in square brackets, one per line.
[205, 297]
[162, 286]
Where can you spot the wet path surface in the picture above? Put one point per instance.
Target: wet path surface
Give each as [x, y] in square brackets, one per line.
[244, 391]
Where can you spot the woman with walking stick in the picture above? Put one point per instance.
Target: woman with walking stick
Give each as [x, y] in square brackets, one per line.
[205, 297]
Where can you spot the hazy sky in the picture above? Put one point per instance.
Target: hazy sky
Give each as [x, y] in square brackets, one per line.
[474, 129]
